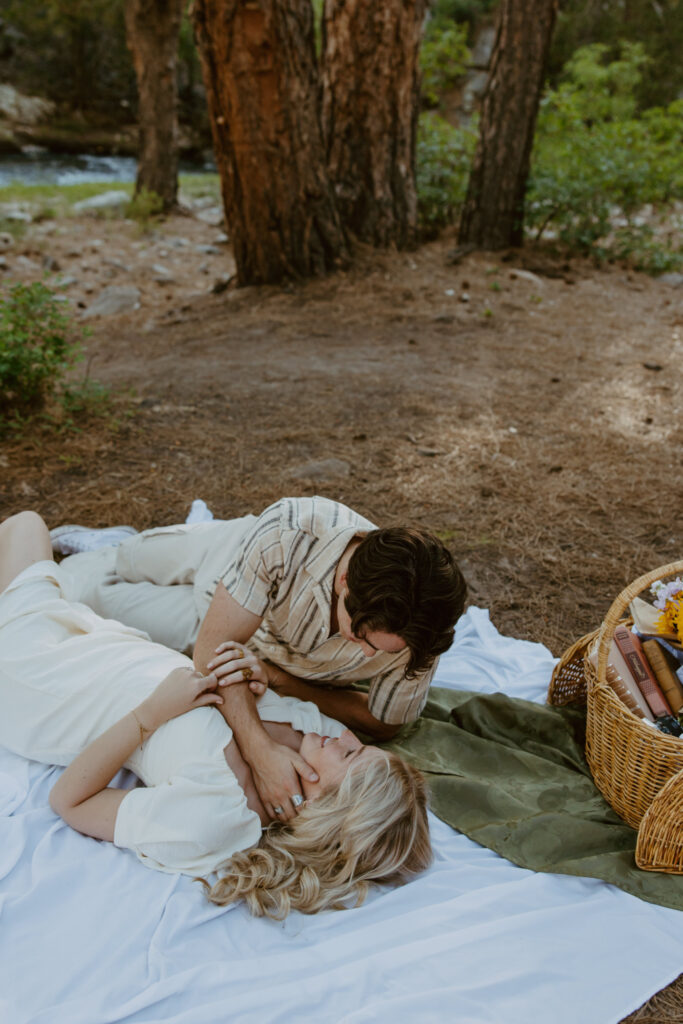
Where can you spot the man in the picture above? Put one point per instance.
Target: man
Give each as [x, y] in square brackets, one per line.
[308, 599]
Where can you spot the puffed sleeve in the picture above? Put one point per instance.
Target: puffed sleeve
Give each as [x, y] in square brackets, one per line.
[191, 824]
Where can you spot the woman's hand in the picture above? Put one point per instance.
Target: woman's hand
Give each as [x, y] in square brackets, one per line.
[182, 690]
[233, 664]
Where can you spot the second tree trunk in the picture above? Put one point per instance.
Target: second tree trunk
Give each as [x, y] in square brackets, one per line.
[152, 29]
[493, 214]
[370, 107]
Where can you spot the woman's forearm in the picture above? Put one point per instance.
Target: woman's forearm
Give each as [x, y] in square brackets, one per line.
[80, 796]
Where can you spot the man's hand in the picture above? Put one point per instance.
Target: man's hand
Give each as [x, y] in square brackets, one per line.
[232, 663]
[224, 618]
[276, 770]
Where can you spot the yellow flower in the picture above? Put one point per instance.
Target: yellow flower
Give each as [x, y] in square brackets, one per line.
[671, 619]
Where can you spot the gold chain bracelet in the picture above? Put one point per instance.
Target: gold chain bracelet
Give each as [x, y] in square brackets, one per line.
[143, 729]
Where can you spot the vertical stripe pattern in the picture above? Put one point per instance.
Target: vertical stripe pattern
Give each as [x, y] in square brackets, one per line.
[284, 571]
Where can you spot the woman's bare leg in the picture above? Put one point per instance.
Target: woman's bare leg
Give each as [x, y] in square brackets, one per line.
[24, 539]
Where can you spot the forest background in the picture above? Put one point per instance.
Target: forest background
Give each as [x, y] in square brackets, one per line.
[607, 146]
[525, 403]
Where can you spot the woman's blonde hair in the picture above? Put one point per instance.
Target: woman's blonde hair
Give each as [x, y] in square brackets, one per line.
[373, 828]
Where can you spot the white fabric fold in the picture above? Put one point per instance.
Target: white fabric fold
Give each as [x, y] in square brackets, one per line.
[88, 935]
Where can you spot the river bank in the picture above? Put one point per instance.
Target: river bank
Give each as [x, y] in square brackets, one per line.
[36, 166]
[27, 122]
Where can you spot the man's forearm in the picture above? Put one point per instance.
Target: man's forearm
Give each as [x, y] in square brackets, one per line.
[239, 711]
[348, 706]
[225, 620]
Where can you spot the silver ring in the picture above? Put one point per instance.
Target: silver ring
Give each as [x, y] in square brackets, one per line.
[297, 800]
[278, 810]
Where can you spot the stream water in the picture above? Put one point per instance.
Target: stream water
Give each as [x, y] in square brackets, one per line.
[41, 167]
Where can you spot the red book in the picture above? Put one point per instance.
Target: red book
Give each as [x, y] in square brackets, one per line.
[632, 651]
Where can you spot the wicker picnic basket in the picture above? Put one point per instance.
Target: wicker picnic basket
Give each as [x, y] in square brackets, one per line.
[638, 769]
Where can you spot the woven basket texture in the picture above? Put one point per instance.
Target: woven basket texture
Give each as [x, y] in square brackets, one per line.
[568, 681]
[638, 769]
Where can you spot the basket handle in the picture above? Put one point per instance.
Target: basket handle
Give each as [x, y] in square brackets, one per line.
[619, 606]
[660, 841]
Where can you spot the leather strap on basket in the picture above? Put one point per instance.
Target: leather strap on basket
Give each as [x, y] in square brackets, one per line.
[619, 606]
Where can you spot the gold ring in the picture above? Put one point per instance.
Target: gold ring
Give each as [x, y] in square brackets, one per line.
[239, 653]
[247, 673]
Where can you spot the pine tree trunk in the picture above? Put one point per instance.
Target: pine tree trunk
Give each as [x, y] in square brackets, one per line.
[152, 30]
[370, 107]
[493, 214]
[260, 72]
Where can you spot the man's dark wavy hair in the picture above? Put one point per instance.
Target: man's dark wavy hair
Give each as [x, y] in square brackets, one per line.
[403, 580]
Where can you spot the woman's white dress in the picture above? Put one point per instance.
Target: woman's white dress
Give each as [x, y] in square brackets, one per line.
[66, 675]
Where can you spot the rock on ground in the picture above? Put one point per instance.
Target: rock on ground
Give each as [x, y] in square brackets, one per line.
[675, 280]
[114, 300]
[24, 109]
[106, 201]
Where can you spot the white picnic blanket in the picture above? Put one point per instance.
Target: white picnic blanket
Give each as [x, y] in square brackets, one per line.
[88, 935]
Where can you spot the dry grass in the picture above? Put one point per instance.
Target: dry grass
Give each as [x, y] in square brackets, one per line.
[522, 425]
[666, 1007]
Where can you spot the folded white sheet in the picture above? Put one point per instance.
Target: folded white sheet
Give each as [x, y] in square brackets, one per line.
[88, 935]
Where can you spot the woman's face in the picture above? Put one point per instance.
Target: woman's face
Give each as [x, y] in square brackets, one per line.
[332, 759]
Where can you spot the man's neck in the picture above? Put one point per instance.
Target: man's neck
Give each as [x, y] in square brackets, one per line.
[339, 581]
[343, 565]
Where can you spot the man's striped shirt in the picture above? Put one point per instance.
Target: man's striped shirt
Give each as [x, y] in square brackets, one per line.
[283, 571]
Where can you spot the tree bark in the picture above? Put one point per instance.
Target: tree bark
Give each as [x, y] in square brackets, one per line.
[493, 214]
[152, 31]
[261, 77]
[370, 106]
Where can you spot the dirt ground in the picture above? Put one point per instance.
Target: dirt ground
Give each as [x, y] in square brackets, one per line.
[525, 407]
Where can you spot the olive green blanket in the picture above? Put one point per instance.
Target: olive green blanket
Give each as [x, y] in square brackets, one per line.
[512, 775]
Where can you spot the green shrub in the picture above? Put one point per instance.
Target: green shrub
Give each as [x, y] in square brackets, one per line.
[643, 249]
[37, 346]
[443, 59]
[85, 397]
[596, 164]
[470, 12]
[144, 207]
[657, 25]
[444, 157]
[15, 228]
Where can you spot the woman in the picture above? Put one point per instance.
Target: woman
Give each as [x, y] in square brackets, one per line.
[79, 690]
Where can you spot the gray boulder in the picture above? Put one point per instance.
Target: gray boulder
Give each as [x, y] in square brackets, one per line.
[113, 300]
[114, 200]
[16, 214]
[212, 215]
[673, 279]
[24, 109]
